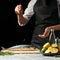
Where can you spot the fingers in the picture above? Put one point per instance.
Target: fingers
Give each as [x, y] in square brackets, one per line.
[45, 34]
[41, 36]
[18, 9]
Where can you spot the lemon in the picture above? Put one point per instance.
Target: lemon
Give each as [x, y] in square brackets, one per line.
[47, 51]
[46, 45]
[54, 45]
[54, 50]
[49, 48]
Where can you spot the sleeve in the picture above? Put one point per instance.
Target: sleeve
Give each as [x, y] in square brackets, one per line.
[28, 13]
[29, 10]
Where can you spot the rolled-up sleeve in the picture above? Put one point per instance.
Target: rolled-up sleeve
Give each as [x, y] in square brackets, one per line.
[28, 13]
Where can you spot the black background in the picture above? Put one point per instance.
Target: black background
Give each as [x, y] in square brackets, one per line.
[10, 32]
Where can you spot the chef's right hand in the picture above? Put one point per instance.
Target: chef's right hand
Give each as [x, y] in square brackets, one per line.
[19, 10]
[46, 33]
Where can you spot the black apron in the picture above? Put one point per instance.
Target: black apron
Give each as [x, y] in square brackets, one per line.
[46, 14]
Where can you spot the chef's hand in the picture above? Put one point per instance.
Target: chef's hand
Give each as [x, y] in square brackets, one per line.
[19, 10]
[46, 33]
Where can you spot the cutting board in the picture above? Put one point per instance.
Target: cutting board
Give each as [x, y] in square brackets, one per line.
[22, 50]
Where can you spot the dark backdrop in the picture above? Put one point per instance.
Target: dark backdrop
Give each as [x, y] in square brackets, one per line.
[10, 32]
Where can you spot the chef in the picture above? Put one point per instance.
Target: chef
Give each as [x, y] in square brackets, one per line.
[46, 18]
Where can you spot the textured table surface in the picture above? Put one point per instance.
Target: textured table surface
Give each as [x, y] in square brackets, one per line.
[28, 57]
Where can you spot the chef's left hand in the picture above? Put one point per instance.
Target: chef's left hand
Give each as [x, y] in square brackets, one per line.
[46, 33]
